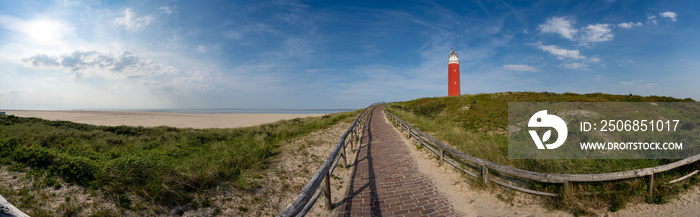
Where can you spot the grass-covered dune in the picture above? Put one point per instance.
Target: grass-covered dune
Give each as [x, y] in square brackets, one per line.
[477, 125]
[162, 166]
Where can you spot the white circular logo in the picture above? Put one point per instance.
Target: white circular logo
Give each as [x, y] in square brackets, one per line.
[542, 119]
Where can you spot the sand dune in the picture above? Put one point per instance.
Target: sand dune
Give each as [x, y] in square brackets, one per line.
[152, 119]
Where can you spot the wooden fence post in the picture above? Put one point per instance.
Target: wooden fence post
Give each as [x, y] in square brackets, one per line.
[563, 179]
[345, 160]
[442, 155]
[327, 191]
[354, 131]
[485, 175]
[650, 184]
[352, 140]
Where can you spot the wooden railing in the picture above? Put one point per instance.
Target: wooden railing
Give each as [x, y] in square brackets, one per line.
[460, 160]
[7, 209]
[308, 195]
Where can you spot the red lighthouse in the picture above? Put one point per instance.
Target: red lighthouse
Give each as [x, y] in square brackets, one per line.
[453, 75]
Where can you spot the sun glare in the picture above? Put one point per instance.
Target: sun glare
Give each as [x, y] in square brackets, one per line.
[45, 32]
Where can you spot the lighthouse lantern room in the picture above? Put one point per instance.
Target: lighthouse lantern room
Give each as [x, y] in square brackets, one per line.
[453, 75]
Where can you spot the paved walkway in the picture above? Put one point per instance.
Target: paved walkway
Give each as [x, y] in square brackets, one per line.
[386, 180]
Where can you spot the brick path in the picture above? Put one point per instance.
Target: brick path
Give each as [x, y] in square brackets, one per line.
[386, 180]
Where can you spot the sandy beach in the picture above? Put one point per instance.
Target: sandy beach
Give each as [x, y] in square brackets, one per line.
[153, 119]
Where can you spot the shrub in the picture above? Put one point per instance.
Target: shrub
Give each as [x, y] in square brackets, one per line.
[161, 165]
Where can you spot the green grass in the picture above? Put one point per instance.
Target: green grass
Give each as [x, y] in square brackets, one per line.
[477, 125]
[161, 165]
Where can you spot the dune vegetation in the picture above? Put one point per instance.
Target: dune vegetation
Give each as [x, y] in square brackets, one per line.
[161, 166]
[477, 125]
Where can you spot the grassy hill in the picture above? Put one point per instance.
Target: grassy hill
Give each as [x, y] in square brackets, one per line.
[477, 125]
[161, 166]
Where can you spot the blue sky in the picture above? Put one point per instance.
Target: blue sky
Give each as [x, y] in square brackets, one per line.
[336, 54]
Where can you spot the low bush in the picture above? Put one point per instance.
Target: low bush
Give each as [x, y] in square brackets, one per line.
[161, 165]
[477, 125]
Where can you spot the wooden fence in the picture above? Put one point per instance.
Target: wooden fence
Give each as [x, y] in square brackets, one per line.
[458, 159]
[308, 195]
[8, 210]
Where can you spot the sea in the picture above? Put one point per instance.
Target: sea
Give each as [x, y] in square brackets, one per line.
[239, 111]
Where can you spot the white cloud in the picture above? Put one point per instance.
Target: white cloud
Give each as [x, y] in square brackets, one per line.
[232, 34]
[652, 19]
[43, 60]
[596, 33]
[166, 9]
[629, 25]
[589, 34]
[87, 63]
[201, 49]
[574, 65]
[559, 25]
[560, 52]
[131, 22]
[638, 85]
[521, 68]
[670, 15]
[599, 77]
[626, 63]
[240, 32]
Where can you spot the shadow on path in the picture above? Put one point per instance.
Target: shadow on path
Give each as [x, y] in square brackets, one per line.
[364, 153]
[386, 180]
